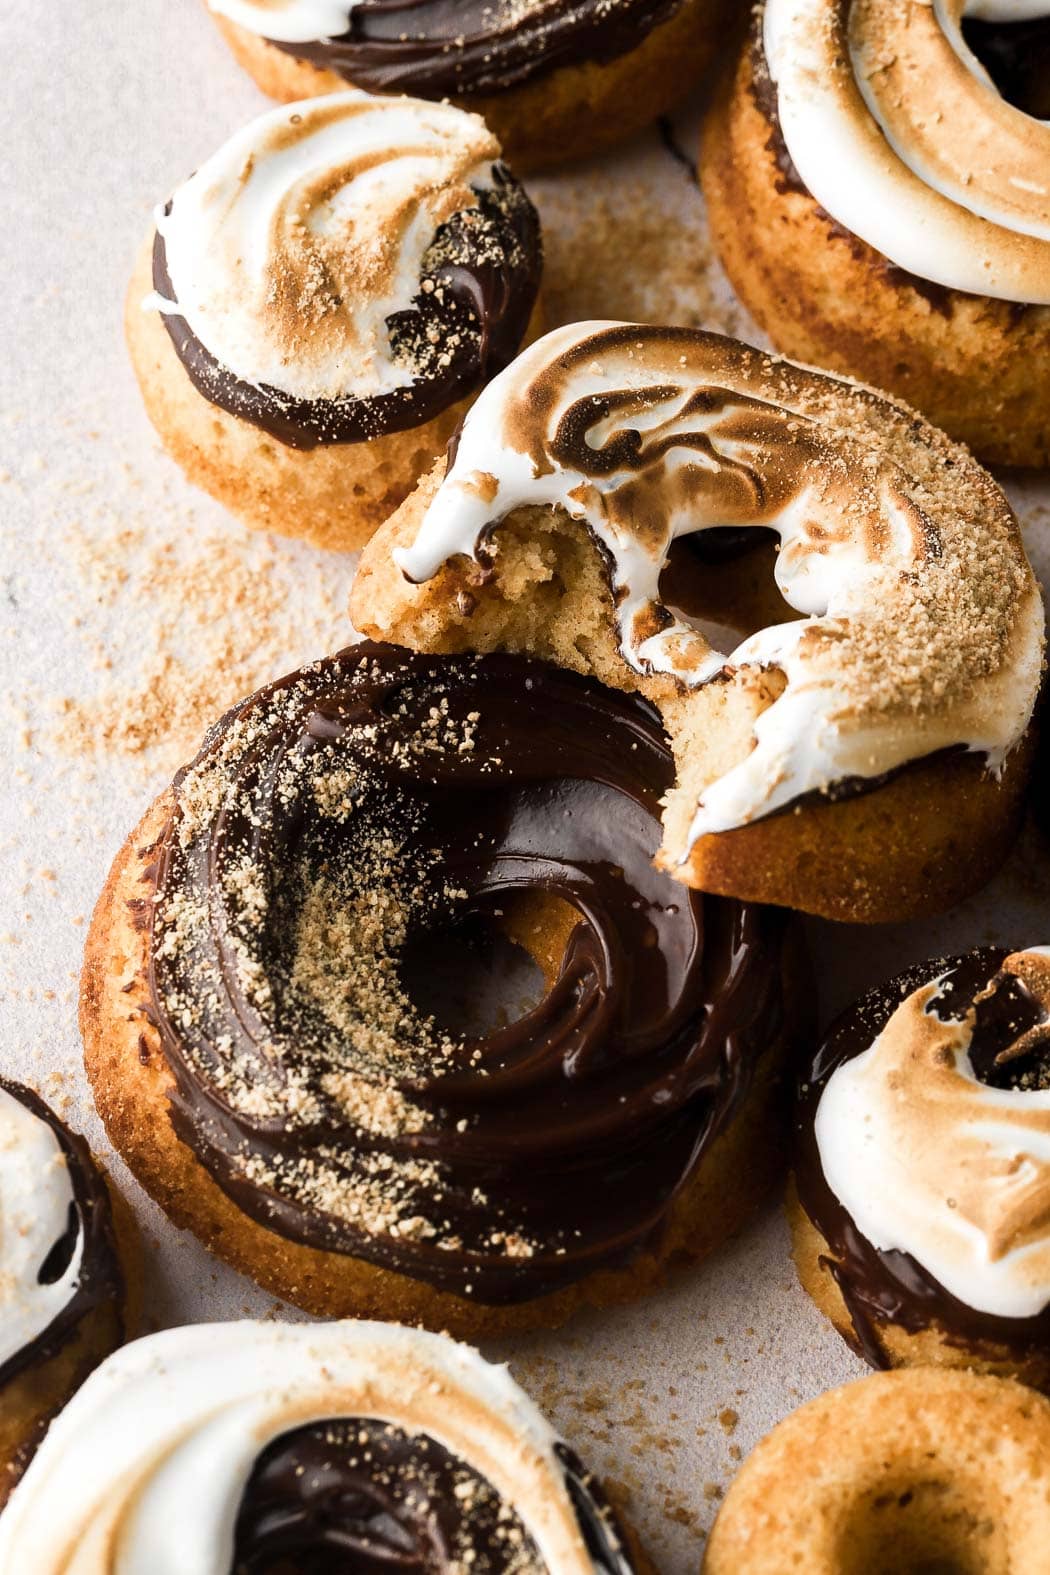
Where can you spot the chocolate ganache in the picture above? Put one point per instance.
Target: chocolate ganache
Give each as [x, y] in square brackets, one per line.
[98, 1285]
[332, 827]
[478, 286]
[364, 1495]
[880, 1287]
[472, 47]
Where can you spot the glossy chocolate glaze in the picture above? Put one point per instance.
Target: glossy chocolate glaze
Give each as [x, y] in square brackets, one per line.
[101, 1282]
[434, 48]
[361, 1495]
[578, 1123]
[1016, 55]
[477, 306]
[882, 1288]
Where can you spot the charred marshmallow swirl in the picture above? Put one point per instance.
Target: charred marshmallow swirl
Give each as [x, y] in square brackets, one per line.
[226, 1449]
[901, 134]
[58, 1259]
[922, 625]
[347, 266]
[925, 1150]
[332, 829]
[437, 47]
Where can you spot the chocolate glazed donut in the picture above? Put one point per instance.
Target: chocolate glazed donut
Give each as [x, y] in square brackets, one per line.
[891, 1287]
[331, 827]
[439, 47]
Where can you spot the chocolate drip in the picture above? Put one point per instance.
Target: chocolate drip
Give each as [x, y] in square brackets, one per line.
[573, 1128]
[435, 48]
[477, 289]
[892, 1287]
[101, 1281]
[362, 1495]
[1016, 55]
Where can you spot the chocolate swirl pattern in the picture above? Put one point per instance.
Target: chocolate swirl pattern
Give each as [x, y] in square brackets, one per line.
[900, 133]
[296, 1445]
[57, 1255]
[925, 1149]
[921, 624]
[347, 266]
[337, 823]
[438, 47]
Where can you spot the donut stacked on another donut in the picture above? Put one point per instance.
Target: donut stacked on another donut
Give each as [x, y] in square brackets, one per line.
[321, 300]
[923, 1171]
[877, 183]
[68, 1272]
[232, 1448]
[263, 1022]
[864, 755]
[898, 1474]
[554, 81]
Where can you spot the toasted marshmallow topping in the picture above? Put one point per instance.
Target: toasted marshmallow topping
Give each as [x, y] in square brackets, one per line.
[290, 249]
[922, 624]
[36, 1197]
[144, 1471]
[899, 133]
[929, 1160]
[287, 21]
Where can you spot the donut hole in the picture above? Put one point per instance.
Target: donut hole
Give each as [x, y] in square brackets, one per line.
[493, 966]
[722, 582]
[934, 1525]
[471, 978]
[1016, 55]
[1011, 1043]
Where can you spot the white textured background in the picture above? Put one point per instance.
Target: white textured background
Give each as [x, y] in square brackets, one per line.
[105, 107]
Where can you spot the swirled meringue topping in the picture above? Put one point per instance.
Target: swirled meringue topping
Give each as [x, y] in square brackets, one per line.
[347, 265]
[240, 1446]
[57, 1259]
[922, 625]
[439, 47]
[935, 1139]
[899, 132]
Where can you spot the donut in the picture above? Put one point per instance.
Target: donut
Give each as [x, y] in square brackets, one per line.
[922, 1182]
[875, 176]
[553, 81]
[231, 1448]
[911, 1473]
[69, 1272]
[270, 1014]
[863, 753]
[317, 305]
